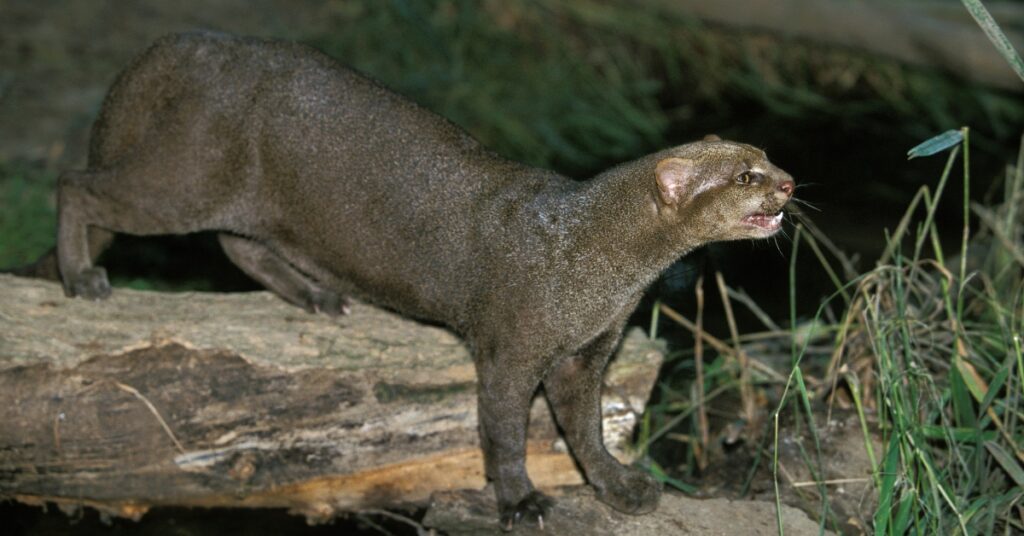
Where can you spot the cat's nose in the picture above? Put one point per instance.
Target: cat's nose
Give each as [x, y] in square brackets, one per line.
[787, 186]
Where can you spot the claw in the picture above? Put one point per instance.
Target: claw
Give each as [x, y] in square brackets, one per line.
[530, 509]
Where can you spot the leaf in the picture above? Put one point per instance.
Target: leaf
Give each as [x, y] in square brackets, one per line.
[960, 395]
[937, 144]
[975, 383]
[1006, 461]
[901, 523]
[931, 431]
[995, 386]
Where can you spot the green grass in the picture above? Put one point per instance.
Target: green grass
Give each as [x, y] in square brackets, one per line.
[947, 343]
[28, 219]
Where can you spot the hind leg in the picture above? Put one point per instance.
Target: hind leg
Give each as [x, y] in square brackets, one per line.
[79, 242]
[135, 199]
[274, 272]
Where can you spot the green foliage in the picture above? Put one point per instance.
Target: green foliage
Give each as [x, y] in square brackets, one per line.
[28, 217]
[511, 74]
[936, 144]
[948, 368]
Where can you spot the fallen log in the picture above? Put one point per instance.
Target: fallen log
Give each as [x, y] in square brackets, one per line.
[201, 399]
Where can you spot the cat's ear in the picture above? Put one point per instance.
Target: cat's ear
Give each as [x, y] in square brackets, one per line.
[675, 178]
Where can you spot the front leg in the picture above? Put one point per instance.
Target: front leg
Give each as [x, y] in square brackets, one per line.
[507, 384]
[574, 389]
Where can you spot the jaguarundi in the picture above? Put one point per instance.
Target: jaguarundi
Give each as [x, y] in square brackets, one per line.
[323, 184]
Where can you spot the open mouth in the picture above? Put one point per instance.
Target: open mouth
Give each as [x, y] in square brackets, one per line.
[768, 222]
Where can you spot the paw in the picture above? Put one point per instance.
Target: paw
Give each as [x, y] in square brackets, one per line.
[90, 284]
[630, 490]
[328, 302]
[530, 509]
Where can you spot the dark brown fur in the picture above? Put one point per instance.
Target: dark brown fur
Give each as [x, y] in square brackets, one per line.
[324, 185]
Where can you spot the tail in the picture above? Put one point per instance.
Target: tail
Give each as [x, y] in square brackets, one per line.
[44, 267]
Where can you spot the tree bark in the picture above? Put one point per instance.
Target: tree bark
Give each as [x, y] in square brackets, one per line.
[199, 399]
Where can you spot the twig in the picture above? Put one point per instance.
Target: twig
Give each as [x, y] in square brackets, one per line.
[686, 412]
[717, 344]
[698, 350]
[420, 529]
[835, 482]
[152, 409]
[745, 299]
[746, 392]
[373, 524]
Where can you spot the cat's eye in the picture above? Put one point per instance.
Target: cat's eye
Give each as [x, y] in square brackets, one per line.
[750, 177]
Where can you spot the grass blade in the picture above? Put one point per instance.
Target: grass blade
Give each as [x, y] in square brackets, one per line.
[663, 477]
[995, 34]
[890, 470]
[1006, 461]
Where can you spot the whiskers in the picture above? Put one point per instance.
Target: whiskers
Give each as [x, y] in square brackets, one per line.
[775, 240]
[794, 213]
[797, 202]
[794, 216]
[804, 203]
